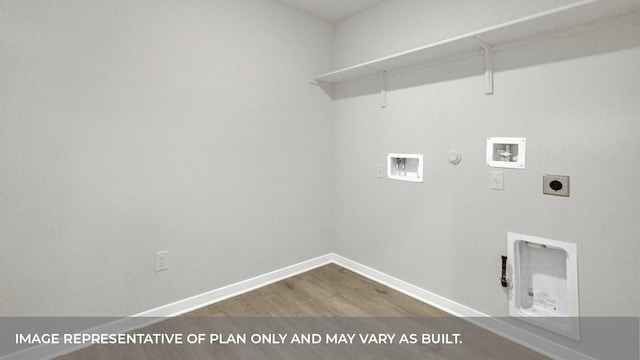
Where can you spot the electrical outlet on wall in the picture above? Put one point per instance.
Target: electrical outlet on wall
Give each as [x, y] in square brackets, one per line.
[497, 180]
[555, 185]
[162, 260]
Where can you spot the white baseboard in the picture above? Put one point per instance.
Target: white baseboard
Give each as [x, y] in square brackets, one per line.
[415, 292]
[195, 302]
[177, 308]
[146, 318]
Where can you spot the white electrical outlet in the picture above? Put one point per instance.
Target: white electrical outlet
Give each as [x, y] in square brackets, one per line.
[497, 180]
[162, 260]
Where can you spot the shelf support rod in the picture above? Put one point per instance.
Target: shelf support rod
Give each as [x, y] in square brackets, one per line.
[488, 63]
[383, 88]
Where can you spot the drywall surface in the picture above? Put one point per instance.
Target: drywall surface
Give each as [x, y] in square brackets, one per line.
[574, 98]
[131, 127]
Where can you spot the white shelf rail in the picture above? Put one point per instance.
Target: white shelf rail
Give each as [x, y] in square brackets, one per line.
[484, 40]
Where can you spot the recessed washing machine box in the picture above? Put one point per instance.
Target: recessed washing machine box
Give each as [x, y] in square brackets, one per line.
[407, 167]
[506, 152]
[544, 283]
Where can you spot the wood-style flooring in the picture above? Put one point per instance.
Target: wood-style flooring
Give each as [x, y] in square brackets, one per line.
[327, 298]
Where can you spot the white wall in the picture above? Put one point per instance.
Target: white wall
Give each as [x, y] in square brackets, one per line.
[573, 98]
[129, 127]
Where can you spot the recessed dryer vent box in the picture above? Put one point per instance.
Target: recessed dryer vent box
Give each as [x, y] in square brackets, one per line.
[506, 152]
[407, 167]
[544, 283]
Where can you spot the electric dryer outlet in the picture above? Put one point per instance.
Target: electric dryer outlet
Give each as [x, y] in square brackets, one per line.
[557, 185]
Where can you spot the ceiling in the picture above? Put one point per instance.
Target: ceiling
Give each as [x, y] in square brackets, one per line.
[331, 10]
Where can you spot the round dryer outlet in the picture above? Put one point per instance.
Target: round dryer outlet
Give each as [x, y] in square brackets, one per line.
[557, 185]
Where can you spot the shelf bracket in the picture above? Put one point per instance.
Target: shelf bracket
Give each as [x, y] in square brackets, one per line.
[488, 63]
[383, 88]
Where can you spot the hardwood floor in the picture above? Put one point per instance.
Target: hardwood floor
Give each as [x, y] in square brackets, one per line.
[326, 291]
[328, 300]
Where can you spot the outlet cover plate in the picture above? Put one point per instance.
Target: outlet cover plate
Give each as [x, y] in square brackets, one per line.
[557, 185]
[162, 260]
[497, 180]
